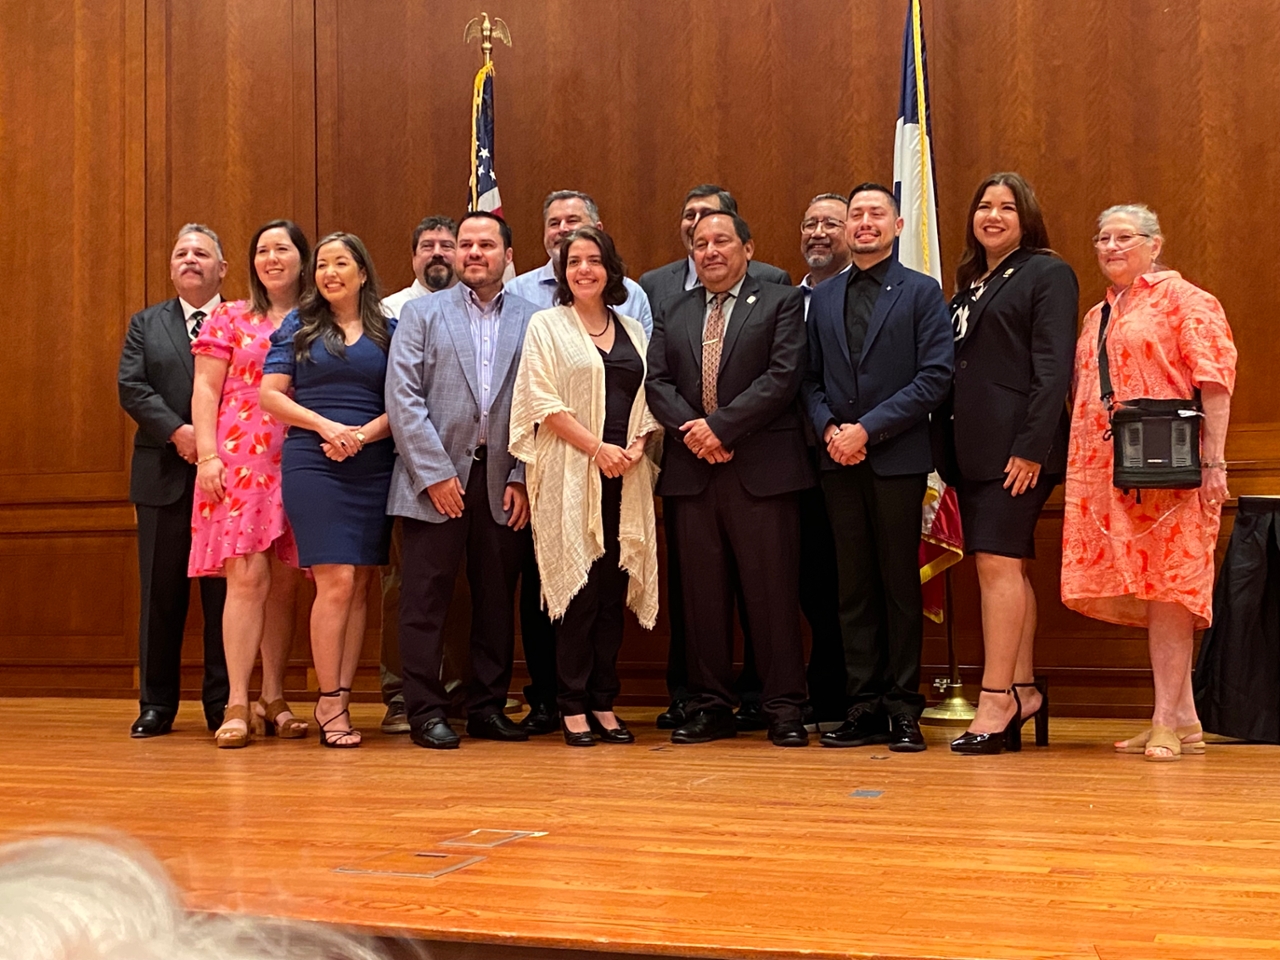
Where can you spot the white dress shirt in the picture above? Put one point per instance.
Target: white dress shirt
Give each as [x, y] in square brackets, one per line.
[539, 288]
[394, 303]
[727, 308]
[188, 310]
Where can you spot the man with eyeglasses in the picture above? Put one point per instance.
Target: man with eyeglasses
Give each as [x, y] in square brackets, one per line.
[822, 241]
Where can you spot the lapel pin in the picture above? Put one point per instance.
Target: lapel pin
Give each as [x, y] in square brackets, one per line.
[751, 299]
[1009, 272]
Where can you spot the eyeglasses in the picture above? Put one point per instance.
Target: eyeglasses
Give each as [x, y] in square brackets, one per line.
[828, 224]
[1123, 241]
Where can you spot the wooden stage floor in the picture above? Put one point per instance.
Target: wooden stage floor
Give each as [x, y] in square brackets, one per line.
[735, 849]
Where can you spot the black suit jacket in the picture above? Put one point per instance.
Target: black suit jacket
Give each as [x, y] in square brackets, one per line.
[157, 373]
[1013, 372]
[667, 282]
[760, 369]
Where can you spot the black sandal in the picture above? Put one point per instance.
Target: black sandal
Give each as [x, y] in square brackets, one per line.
[334, 739]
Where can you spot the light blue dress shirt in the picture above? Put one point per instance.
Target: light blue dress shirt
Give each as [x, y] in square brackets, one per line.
[484, 338]
[539, 288]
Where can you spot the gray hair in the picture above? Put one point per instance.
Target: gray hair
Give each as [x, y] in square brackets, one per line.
[69, 896]
[1143, 217]
[838, 197]
[592, 210]
[200, 228]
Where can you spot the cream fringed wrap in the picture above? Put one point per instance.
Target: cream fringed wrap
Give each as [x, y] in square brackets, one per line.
[561, 372]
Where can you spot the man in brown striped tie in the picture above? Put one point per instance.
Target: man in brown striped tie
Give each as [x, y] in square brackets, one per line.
[725, 364]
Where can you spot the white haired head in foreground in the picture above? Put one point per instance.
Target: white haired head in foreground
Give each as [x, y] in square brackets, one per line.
[64, 898]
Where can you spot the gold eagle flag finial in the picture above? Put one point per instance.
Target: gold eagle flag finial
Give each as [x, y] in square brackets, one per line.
[486, 31]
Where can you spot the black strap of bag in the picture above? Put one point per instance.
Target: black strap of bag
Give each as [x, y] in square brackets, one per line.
[1156, 443]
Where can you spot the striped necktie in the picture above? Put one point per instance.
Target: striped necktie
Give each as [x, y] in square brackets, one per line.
[712, 340]
[197, 321]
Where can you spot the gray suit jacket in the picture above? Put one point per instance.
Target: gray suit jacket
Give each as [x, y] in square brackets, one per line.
[667, 282]
[433, 405]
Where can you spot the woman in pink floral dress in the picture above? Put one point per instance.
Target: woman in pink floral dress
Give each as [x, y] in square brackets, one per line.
[1148, 561]
[238, 526]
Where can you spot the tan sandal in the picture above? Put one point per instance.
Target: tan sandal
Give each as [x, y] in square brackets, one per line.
[232, 737]
[272, 726]
[1166, 738]
[1138, 744]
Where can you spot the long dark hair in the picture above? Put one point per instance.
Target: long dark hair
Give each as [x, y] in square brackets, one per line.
[317, 316]
[615, 291]
[258, 297]
[973, 263]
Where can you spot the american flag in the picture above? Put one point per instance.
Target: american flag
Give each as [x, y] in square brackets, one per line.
[484, 182]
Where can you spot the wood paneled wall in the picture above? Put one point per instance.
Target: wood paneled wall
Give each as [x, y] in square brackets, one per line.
[120, 120]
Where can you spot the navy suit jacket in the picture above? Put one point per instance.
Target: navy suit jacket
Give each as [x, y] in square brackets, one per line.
[903, 374]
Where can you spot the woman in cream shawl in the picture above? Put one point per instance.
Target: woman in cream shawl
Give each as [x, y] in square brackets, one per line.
[591, 470]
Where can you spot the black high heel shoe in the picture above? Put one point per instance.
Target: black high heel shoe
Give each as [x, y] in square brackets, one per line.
[618, 734]
[1041, 715]
[335, 738]
[982, 744]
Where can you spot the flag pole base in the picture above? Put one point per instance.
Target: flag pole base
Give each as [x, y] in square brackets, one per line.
[954, 711]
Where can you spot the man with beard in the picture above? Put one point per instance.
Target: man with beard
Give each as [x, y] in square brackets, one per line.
[826, 250]
[880, 361]
[563, 212]
[458, 489]
[435, 247]
[157, 374]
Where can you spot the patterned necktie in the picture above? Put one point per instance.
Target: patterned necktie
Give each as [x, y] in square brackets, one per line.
[712, 340]
[197, 321]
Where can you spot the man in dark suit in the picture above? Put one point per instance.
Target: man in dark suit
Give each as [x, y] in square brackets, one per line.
[880, 360]
[664, 283]
[156, 376]
[725, 365]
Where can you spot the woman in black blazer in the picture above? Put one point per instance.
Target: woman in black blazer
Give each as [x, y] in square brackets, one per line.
[1005, 436]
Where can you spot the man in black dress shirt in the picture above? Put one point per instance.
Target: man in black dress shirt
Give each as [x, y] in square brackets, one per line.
[157, 373]
[880, 360]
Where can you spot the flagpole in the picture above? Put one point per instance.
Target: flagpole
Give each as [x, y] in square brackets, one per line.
[954, 710]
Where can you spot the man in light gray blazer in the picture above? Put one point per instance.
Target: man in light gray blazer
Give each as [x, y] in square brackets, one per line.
[449, 379]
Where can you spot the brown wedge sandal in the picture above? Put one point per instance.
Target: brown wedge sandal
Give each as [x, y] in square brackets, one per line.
[232, 738]
[272, 726]
[1138, 744]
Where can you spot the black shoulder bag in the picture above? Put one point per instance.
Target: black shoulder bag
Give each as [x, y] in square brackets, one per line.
[1156, 442]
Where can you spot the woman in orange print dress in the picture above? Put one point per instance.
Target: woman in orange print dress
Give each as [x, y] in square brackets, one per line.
[238, 527]
[1148, 563]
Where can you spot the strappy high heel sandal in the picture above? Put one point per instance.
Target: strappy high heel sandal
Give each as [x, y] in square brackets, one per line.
[1041, 715]
[335, 738]
[984, 744]
[272, 726]
[231, 738]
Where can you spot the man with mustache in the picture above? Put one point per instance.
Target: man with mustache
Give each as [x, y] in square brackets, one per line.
[435, 247]
[563, 212]
[725, 365]
[156, 377]
[880, 361]
[459, 491]
[823, 244]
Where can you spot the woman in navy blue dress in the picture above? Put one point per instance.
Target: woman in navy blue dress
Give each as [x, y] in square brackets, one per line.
[331, 355]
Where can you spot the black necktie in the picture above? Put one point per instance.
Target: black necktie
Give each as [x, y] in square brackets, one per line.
[197, 320]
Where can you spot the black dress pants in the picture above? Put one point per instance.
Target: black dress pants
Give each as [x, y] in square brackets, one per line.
[876, 521]
[820, 604]
[748, 685]
[589, 635]
[537, 634]
[164, 546]
[429, 559]
[728, 541]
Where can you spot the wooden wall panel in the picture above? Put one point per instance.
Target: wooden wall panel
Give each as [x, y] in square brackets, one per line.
[122, 119]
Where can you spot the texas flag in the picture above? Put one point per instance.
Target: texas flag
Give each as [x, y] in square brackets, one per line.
[941, 539]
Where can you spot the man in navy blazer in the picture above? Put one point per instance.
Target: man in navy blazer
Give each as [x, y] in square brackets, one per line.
[880, 361]
[459, 491]
[157, 372]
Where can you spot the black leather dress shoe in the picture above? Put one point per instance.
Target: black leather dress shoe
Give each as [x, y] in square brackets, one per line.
[540, 719]
[495, 727]
[905, 735]
[788, 733]
[675, 715]
[705, 726]
[750, 717]
[151, 723]
[618, 734]
[865, 726]
[436, 734]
